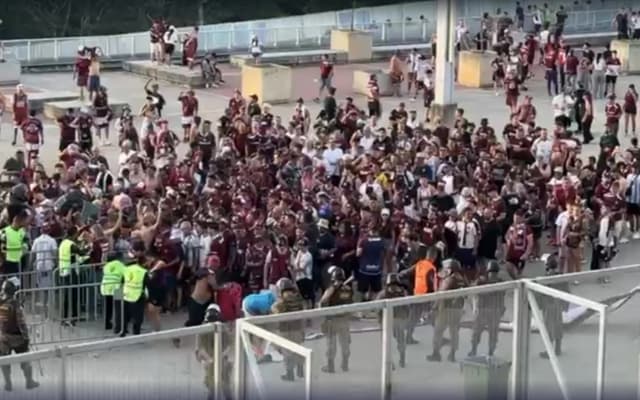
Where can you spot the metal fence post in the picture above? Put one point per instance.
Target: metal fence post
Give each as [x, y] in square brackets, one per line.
[63, 373]
[297, 37]
[28, 50]
[132, 42]
[602, 347]
[240, 363]
[387, 361]
[521, 337]
[55, 49]
[217, 361]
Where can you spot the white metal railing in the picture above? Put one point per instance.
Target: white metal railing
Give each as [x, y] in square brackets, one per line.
[409, 22]
[519, 300]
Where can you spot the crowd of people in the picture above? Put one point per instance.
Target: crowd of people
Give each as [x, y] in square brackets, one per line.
[262, 204]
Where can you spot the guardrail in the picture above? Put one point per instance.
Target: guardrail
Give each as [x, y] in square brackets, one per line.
[406, 23]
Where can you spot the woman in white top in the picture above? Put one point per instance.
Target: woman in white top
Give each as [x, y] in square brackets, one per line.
[170, 41]
[611, 73]
[599, 67]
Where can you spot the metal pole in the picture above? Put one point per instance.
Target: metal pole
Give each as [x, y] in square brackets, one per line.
[544, 334]
[353, 14]
[521, 337]
[602, 343]
[217, 361]
[63, 373]
[387, 360]
[239, 369]
[308, 379]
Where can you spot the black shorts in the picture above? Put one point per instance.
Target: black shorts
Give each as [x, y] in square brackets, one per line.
[610, 79]
[10, 268]
[467, 258]
[368, 283]
[305, 286]
[168, 49]
[633, 209]
[196, 312]
[157, 295]
[518, 263]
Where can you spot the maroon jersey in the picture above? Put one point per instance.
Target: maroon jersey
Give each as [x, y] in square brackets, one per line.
[32, 130]
[220, 244]
[20, 108]
[189, 106]
[255, 260]
[517, 241]
[279, 266]
[613, 112]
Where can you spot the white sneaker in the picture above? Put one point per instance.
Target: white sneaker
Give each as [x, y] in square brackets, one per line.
[636, 235]
[624, 240]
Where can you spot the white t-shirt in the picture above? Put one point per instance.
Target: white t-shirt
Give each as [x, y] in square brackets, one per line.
[544, 37]
[366, 142]
[543, 149]
[467, 233]
[331, 158]
[562, 105]
[171, 37]
[303, 260]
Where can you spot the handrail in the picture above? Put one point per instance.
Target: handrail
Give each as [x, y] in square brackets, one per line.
[387, 24]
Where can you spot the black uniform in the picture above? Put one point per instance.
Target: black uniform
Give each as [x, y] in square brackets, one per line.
[336, 328]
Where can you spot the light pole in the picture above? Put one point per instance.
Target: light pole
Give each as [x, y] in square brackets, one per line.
[353, 15]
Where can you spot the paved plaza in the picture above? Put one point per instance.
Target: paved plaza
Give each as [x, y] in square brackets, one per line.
[159, 370]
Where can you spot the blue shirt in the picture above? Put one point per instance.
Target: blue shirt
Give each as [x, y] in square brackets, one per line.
[633, 191]
[259, 303]
[373, 250]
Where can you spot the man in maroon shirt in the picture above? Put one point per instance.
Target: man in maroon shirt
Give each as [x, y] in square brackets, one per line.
[613, 112]
[326, 75]
[81, 70]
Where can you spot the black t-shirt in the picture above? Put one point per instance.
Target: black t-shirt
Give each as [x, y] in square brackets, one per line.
[443, 202]
[623, 22]
[158, 99]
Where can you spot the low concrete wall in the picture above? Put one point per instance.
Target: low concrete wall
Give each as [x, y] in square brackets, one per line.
[361, 81]
[474, 68]
[629, 54]
[174, 74]
[357, 44]
[10, 71]
[56, 109]
[272, 83]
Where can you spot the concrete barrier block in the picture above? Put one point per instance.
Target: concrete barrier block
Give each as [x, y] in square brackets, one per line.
[357, 44]
[10, 71]
[56, 109]
[272, 83]
[361, 81]
[629, 55]
[176, 74]
[474, 68]
[37, 100]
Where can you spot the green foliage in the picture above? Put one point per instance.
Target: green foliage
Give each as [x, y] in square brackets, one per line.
[57, 18]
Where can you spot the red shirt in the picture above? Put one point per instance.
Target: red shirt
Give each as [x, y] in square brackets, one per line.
[67, 132]
[325, 69]
[229, 299]
[518, 243]
[189, 106]
[20, 107]
[613, 112]
[572, 65]
[220, 246]
[82, 66]
[32, 130]
[550, 58]
[279, 267]
[235, 105]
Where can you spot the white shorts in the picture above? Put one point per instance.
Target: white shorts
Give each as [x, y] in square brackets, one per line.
[32, 146]
[101, 121]
[187, 121]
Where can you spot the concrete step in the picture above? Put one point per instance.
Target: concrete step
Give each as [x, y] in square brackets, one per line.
[176, 74]
[56, 109]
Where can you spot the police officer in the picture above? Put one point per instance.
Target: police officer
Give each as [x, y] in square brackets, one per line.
[205, 347]
[490, 311]
[289, 300]
[70, 254]
[336, 328]
[111, 290]
[552, 308]
[448, 313]
[135, 284]
[392, 289]
[14, 242]
[14, 336]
